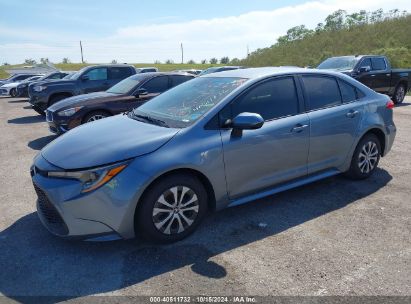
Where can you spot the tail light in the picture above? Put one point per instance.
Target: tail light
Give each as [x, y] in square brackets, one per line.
[390, 105]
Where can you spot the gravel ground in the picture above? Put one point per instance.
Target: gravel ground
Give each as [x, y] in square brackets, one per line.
[333, 237]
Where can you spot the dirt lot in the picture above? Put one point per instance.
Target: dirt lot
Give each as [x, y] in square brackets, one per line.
[333, 237]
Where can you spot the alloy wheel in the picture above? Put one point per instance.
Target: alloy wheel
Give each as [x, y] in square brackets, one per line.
[175, 210]
[400, 94]
[368, 157]
[96, 117]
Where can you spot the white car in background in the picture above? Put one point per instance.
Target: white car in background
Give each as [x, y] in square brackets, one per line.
[10, 89]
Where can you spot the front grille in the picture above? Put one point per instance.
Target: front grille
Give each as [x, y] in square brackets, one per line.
[3, 91]
[48, 212]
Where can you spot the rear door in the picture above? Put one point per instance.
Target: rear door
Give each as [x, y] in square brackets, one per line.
[116, 74]
[381, 75]
[275, 153]
[178, 79]
[334, 117]
[97, 80]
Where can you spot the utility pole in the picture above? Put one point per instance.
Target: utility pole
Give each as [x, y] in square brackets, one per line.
[182, 54]
[248, 51]
[81, 50]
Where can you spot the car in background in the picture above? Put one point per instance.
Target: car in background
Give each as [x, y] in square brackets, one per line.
[146, 70]
[190, 71]
[122, 97]
[10, 89]
[23, 88]
[213, 142]
[219, 69]
[375, 72]
[16, 78]
[90, 79]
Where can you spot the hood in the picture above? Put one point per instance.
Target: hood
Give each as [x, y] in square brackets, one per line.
[55, 82]
[106, 141]
[83, 99]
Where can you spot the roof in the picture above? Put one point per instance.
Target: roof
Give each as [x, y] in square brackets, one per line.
[152, 74]
[254, 73]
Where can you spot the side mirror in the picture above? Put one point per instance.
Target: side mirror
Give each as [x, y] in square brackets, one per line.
[247, 121]
[141, 92]
[364, 69]
[85, 78]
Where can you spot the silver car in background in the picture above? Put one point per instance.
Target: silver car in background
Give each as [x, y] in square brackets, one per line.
[213, 142]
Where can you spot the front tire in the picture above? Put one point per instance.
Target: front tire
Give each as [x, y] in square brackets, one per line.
[399, 94]
[172, 208]
[13, 92]
[366, 157]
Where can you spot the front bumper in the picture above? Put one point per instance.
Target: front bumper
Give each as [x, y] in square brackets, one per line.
[60, 125]
[22, 91]
[4, 92]
[104, 214]
[38, 101]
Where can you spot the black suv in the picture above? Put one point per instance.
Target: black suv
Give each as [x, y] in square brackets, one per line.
[89, 79]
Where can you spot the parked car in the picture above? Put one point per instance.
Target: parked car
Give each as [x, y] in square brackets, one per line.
[89, 79]
[10, 89]
[373, 71]
[146, 70]
[16, 78]
[22, 88]
[212, 142]
[190, 71]
[124, 96]
[219, 69]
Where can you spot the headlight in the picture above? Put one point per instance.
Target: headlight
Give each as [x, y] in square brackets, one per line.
[93, 178]
[69, 112]
[39, 88]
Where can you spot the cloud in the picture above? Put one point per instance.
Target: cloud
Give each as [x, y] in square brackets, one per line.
[202, 38]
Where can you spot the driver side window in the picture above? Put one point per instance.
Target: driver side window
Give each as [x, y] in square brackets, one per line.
[156, 85]
[271, 99]
[365, 63]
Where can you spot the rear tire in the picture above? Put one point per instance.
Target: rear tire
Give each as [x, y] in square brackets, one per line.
[13, 92]
[95, 115]
[399, 94]
[366, 157]
[172, 208]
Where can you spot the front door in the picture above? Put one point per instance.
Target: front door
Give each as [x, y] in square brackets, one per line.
[277, 152]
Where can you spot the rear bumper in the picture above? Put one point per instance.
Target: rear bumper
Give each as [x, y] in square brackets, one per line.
[391, 132]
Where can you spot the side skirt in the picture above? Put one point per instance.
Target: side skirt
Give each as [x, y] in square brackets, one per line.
[283, 187]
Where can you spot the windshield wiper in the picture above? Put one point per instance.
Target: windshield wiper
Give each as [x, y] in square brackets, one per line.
[150, 119]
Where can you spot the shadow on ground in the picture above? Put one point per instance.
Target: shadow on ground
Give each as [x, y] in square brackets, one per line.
[27, 119]
[40, 143]
[34, 263]
[18, 100]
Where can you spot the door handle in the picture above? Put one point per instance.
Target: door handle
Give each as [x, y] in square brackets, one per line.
[373, 75]
[299, 128]
[352, 114]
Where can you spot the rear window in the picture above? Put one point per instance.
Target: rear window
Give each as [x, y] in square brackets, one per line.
[322, 92]
[119, 73]
[348, 92]
[177, 79]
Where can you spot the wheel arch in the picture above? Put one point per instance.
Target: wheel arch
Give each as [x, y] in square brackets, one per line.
[90, 111]
[380, 135]
[67, 94]
[201, 177]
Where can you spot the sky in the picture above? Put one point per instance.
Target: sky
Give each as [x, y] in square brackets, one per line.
[146, 31]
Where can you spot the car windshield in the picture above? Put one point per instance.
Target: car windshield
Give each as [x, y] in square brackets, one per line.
[127, 85]
[186, 103]
[338, 63]
[69, 76]
[33, 78]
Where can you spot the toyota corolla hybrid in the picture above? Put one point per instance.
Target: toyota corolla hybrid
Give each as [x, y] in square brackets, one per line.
[213, 142]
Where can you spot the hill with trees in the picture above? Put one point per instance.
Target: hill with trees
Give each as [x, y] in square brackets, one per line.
[378, 32]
